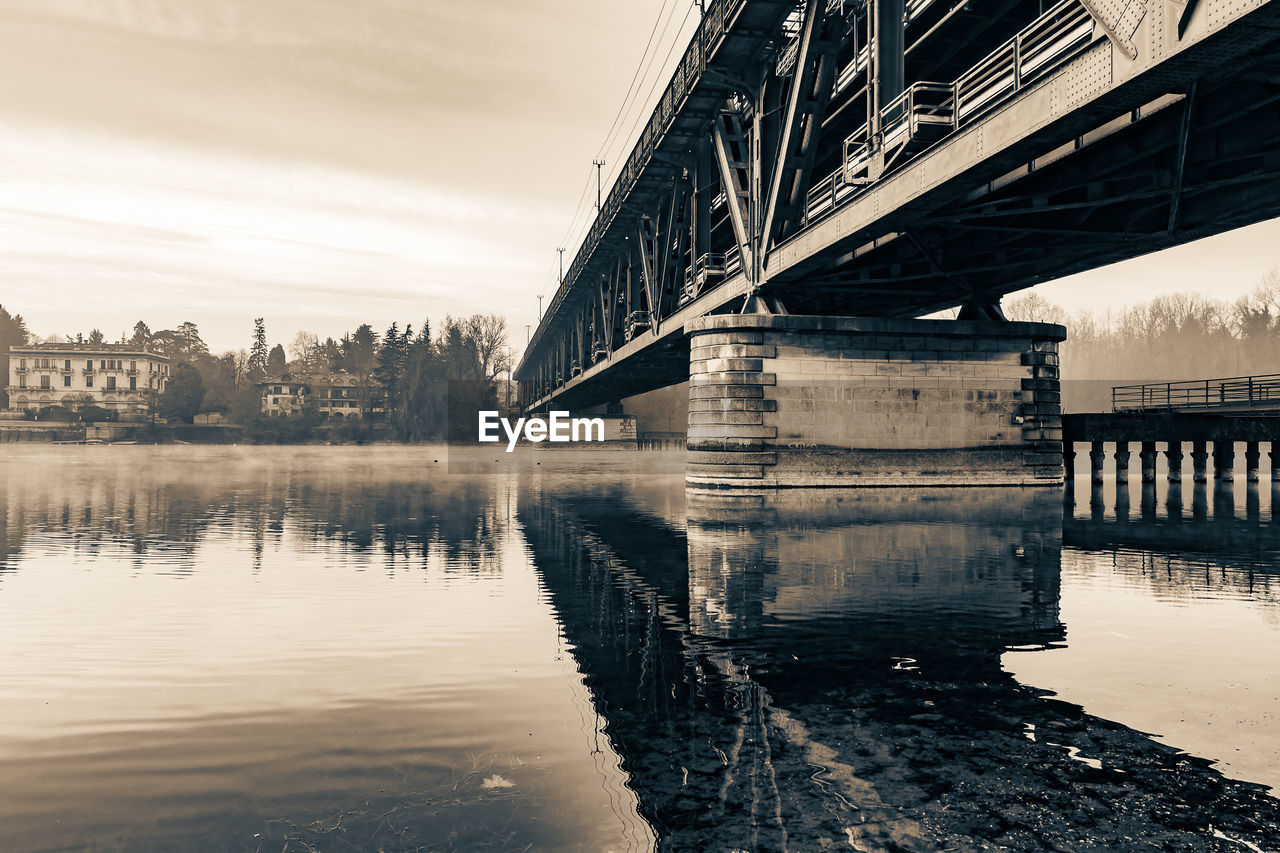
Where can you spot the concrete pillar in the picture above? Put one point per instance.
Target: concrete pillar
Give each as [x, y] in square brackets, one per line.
[792, 400]
[1199, 461]
[1098, 461]
[1147, 455]
[1173, 456]
[1122, 462]
[1224, 461]
[1251, 456]
[1069, 460]
[1274, 452]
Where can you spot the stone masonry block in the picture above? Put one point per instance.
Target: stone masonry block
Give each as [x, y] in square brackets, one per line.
[714, 392]
[732, 378]
[713, 339]
[726, 418]
[733, 351]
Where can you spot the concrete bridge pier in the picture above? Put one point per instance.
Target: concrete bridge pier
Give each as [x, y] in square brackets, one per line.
[1148, 458]
[1251, 457]
[1173, 456]
[1199, 461]
[793, 400]
[1098, 462]
[1122, 462]
[1224, 461]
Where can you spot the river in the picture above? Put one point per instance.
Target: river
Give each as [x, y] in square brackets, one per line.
[329, 648]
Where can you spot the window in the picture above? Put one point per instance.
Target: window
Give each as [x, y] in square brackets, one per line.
[44, 362]
[22, 362]
[66, 365]
[44, 381]
[66, 381]
[133, 383]
[111, 383]
[22, 381]
[103, 363]
[133, 365]
[88, 365]
[88, 380]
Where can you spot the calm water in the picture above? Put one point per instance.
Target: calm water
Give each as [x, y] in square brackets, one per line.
[335, 649]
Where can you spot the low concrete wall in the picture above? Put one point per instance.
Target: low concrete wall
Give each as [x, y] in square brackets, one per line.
[830, 401]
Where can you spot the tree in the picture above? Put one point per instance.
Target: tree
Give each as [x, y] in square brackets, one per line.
[193, 347]
[13, 333]
[141, 335]
[184, 394]
[96, 338]
[1034, 308]
[359, 357]
[488, 334]
[258, 351]
[77, 403]
[306, 353]
[276, 362]
[390, 368]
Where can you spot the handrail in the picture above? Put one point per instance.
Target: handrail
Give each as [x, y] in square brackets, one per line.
[1229, 392]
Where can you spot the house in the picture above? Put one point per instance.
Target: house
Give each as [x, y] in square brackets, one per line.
[120, 378]
[336, 395]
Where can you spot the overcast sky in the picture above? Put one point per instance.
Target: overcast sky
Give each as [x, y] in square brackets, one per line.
[324, 163]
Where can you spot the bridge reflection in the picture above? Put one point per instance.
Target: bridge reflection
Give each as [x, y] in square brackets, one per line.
[815, 670]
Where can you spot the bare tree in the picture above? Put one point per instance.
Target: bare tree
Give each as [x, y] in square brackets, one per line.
[488, 333]
[1034, 308]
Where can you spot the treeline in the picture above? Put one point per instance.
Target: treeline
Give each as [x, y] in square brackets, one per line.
[401, 377]
[1178, 336]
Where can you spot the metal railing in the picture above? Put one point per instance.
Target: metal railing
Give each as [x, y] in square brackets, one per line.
[1234, 392]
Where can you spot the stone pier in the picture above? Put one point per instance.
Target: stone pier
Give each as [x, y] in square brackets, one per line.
[785, 400]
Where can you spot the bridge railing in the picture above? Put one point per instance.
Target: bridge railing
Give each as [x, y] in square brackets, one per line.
[1233, 392]
[1037, 49]
[925, 112]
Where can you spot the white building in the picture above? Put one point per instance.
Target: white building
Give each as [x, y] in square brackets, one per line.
[117, 377]
[337, 395]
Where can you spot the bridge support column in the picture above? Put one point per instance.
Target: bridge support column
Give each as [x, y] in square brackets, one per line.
[1199, 461]
[1251, 456]
[1098, 462]
[1224, 461]
[1148, 458]
[1122, 462]
[1173, 455]
[789, 400]
[1069, 460]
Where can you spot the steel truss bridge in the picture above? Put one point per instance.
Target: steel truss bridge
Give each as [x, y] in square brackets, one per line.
[898, 157]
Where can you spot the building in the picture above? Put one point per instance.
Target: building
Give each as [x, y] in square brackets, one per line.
[117, 377]
[336, 395]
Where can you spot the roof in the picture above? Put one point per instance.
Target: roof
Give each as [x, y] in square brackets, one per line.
[88, 349]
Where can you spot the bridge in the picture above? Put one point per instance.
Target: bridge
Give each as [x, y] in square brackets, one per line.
[820, 164]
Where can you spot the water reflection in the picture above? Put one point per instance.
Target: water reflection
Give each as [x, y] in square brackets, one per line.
[833, 675]
[331, 648]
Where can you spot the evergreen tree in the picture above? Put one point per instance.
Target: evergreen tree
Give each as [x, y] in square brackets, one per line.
[258, 352]
[276, 361]
[13, 333]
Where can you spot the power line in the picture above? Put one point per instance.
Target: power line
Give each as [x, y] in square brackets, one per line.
[641, 64]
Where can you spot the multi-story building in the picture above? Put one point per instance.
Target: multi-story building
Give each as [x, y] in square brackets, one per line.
[337, 395]
[117, 377]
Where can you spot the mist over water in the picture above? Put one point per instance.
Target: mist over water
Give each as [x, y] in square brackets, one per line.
[363, 648]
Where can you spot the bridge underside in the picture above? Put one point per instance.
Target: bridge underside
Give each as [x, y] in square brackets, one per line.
[944, 159]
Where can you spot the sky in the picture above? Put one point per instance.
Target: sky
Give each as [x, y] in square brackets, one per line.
[323, 163]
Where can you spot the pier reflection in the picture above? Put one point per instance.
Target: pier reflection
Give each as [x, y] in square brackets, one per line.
[813, 670]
